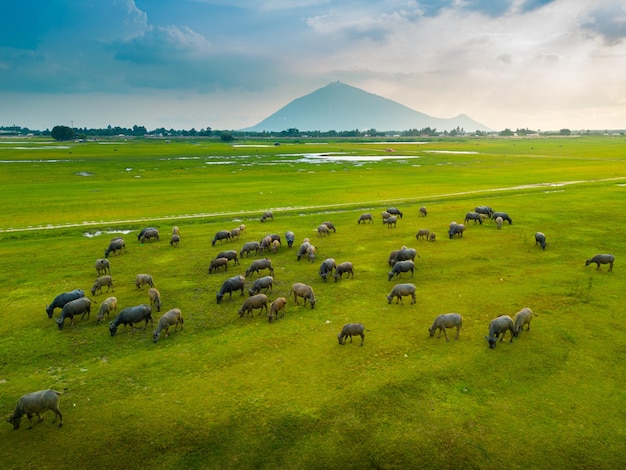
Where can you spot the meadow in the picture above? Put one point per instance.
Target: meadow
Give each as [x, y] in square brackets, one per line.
[231, 392]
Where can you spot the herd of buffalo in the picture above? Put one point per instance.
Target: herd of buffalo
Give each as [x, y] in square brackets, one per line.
[74, 303]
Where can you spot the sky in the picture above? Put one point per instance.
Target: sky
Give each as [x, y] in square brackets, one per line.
[183, 64]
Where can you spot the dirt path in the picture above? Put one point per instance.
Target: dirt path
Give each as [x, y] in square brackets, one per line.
[255, 213]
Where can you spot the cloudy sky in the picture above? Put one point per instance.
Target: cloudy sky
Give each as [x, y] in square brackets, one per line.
[182, 64]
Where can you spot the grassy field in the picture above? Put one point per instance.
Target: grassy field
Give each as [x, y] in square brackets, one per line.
[227, 392]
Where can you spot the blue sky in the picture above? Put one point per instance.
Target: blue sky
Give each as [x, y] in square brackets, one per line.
[542, 64]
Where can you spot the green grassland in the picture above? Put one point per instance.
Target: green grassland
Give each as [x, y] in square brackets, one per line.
[230, 392]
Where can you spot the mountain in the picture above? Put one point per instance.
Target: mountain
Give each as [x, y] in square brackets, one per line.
[342, 107]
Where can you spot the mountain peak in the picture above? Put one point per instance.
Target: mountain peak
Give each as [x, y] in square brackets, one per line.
[342, 107]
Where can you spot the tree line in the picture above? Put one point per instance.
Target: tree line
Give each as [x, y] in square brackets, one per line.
[64, 133]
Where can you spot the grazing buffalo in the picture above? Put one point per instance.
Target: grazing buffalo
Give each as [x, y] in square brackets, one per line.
[540, 239]
[423, 212]
[116, 245]
[601, 259]
[80, 306]
[230, 255]
[401, 267]
[392, 220]
[395, 211]
[61, 299]
[422, 233]
[366, 218]
[143, 231]
[405, 254]
[149, 234]
[323, 231]
[257, 265]
[350, 330]
[267, 215]
[345, 267]
[475, 216]
[155, 298]
[486, 210]
[36, 403]
[330, 226]
[521, 318]
[142, 279]
[231, 285]
[456, 230]
[248, 247]
[290, 237]
[175, 240]
[131, 315]
[251, 303]
[504, 216]
[327, 267]
[265, 282]
[170, 318]
[444, 321]
[277, 306]
[218, 263]
[498, 327]
[106, 307]
[103, 266]
[402, 290]
[100, 282]
[220, 235]
[302, 290]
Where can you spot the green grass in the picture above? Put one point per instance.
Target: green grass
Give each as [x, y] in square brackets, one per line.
[227, 392]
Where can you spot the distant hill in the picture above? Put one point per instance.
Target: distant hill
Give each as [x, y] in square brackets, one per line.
[342, 107]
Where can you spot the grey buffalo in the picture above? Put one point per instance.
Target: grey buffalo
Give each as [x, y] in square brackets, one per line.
[257, 265]
[327, 267]
[116, 245]
[220, 235]
[521, 318]
[305, 291]
[265, 282]
[366, 218]
[402, 290]
[170, 318]
[61, 299]
[602, 259]
[401, 267]
[456, 230]
[80, 306]
[344, 268]
[233, 284]
[504, 215]
[258, 301]
[36, 403]
[230, 255]
[540, 239]
[445, 321]
[290, 237]
[131, 315]
[498, 328]
[395, 211]
[350, 330]
[475, 216]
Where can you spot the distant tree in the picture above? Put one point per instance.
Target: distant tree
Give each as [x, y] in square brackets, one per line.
[139, 131]
[565, 132]
[226, 136]
[506, 132]
[62, 133]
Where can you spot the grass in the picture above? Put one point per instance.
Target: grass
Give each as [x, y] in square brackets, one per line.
[227, 392]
